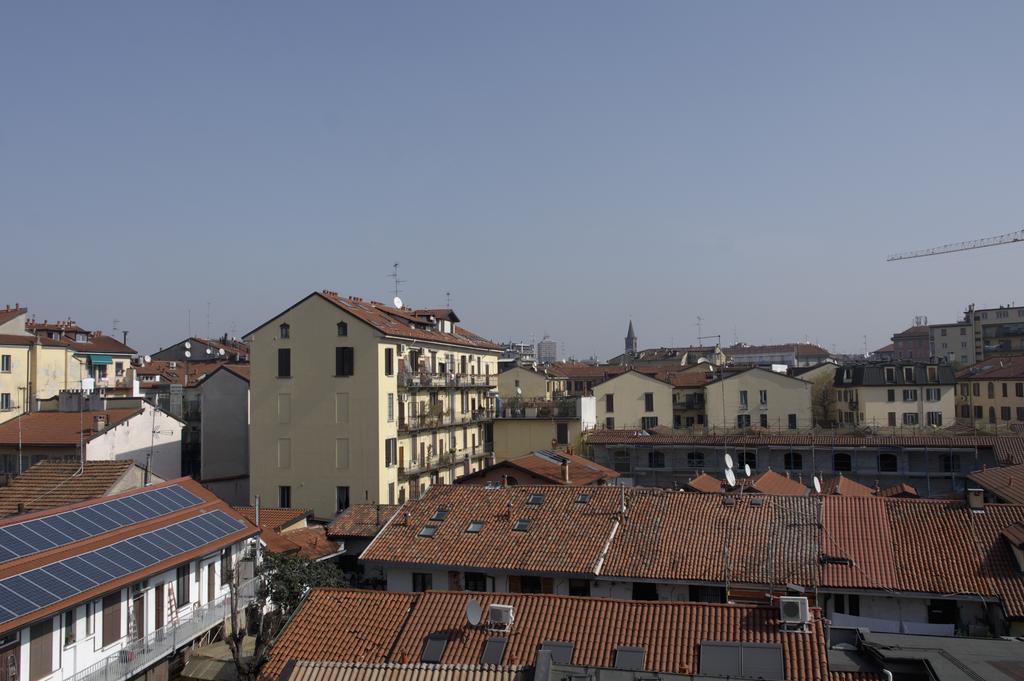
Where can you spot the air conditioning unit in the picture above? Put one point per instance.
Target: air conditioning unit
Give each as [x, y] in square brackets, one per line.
[794, 611]
[500, 617]
[401, 349]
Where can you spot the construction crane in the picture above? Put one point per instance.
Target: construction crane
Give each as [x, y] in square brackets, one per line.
[1010, 238]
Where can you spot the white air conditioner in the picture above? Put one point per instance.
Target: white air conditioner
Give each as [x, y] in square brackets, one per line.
[794, 610]
[500, 617]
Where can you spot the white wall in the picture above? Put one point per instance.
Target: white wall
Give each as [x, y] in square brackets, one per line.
[133, 438]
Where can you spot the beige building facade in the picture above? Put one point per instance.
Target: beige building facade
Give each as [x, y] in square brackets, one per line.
[899, 395]
[523, 383]
[990, 394]
[633, 400]
[353, 401]
[758, 398]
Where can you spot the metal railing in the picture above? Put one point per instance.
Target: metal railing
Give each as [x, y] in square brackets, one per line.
[431, 380]
[433, 421]
[137, 655]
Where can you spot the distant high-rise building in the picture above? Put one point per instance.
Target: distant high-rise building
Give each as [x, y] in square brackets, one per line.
[547, 351]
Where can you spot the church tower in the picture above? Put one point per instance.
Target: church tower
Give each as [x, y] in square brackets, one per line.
[630, 340]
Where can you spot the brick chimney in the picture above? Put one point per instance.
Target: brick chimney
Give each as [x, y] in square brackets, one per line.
[565, 472]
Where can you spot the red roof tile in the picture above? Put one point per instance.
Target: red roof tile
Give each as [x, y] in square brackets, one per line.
[58, 483]
[311, 542]
[582, 471]
[273, 518]
[56, 428]
[361, 520]
[1006, 482]
[775, 484]
[1004, 366]
[9, 313]
[900, 490]
[844, 486]
[708, 484]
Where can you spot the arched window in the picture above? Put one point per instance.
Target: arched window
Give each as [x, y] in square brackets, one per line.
[695, 460]
[342, 329]
[794, 461]
[887, 463]
[842, 462]
[950, 463]
[285, 331]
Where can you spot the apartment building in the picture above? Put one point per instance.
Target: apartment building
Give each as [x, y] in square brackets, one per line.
[688, 387]
[952, 343]
[524, 426]
[758, 398]
[997, 331]
[897, 395]
[790, 354]
[116, 588]
[354, 401]
[913, 344]
[523, 383]
[633, 400]
[990, 394]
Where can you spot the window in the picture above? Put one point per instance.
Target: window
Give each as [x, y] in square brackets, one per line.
[428, 531]
[763, 397]
[5, 364]
[890, 374]
[609, 403]
[890, 395]
[991, 390]
[656, 459]
[1005, 388]
[648, 401]
[743, 399]
[522, 525]
[344, 362]
[621, 462]
[391, 407]
[5, 402]
[742, 420]
[40, 660]
[887, 463]
[562, 433]
[976, 387]
[1020, 413]
[69, 627]
[529, 584]
[475, 526]
[794, 461]
[932, 394]
[90, 619]
[979, 413]
[1005, 413]
[1019, 388]
[892, 419]
[342, 329]
[934, 418]
[933, 373]
[846, 604]
[182, 584]
[391, 451]
[285, 331]
[747, 458]
[609, 423]
[119, 369]
[647, 422]
[579, 587]
[764, 420]
[792, 421]
[695, 460]
[389, 362]
[341, 498]
[475, 581]
[910, 418]
[908, 374]
[991, 414]
[225, 566]
[950, 463]
[535, 500]
[910, 395]
[422, 581]
[842, 462]
[284, 496]
[284, 362]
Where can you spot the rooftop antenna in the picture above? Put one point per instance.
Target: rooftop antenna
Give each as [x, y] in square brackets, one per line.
[207, 318]
[448, 299]
[700, 331]
[398, 282]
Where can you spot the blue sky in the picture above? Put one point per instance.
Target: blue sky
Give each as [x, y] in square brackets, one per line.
[560, 168]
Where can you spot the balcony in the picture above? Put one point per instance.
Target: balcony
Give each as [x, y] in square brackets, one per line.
[142, 653]
[539, 409]
[444, 460]
[411, 424]
[425, 379]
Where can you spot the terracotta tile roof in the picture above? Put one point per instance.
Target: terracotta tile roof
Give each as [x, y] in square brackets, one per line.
[686, 379]
[775, 484]
[900, 490]
[102, 343]
[341, 625]
[581, 371]
[14, 339]
[9, 313]
[208, 503]
[1009, 449]
[373, 627]
[1015, 535]
[361, 520]
[311, 542]
[1004, 366]
[404, 323]
[56, 428]
[240, 370]
[1006, 482]
[707, 484]
[844, 486]
[273, 518]
[356, 671]
[582, 471]
[798, 350]
[54, 483]
[171, 371]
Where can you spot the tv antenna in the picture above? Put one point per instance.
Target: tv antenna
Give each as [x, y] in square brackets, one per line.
[398, 282]
[448, 299]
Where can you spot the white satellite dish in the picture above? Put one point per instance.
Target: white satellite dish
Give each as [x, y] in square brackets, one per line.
[188, 346]
[398, 302]
[474, 612]
[188, 354]
[519, 390]
[221, 352]
[728, 460]
[730, 477]
[817, 484]
[746, 469]
[209, 351]
[147, 359]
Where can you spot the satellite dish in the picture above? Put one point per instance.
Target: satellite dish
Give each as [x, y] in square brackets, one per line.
[817, 484]
[398, 302]
[188, 346]
[209, 351]
[730, 477]
[728, 460]
[147, 359]
[519, 390]
[188, 354]
[221, 352]
[746, 469]
[473, 612]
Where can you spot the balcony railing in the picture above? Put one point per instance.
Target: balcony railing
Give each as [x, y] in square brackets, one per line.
[426, 379]
[144, 652]
[434, 421]
[446, 460]
[539, 409]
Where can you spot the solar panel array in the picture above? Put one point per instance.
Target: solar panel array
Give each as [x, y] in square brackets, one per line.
[44, 586]
[41, 534]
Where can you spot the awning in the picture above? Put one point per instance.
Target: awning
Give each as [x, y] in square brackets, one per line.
[100, 359]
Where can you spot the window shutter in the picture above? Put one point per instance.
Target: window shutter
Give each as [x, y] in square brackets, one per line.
[111, 618]
[514, 585]
[547, 585]
[284, 362]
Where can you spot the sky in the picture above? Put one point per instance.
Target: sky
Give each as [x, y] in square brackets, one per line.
[559, 168]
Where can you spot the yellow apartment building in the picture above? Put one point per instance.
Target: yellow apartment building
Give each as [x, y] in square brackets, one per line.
[758, 398]
[354, 401]
[633, 400]
[895, 395]
[990, 394]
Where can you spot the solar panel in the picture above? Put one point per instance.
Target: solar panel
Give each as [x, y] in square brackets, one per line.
[40, 534]
[43, 586]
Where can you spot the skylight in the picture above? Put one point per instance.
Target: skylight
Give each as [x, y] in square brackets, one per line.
[428, 531]
[440, 515]
[535, 499]
[522, 525]
[583, 498]
[475, 526]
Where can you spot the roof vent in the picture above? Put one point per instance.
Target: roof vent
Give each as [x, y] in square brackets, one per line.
[500, 617]
[976, 500]
[794, 612]
[99, 422]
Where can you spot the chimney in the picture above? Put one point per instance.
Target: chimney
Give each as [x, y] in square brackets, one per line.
[565, 472]
[99, 422]
[976, 500]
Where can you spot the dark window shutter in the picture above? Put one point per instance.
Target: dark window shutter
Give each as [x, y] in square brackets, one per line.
[547, 585]
[284, 362]
[513, 584]
[40, 660]
[111, 618]
[389, 361]
[344, 361]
